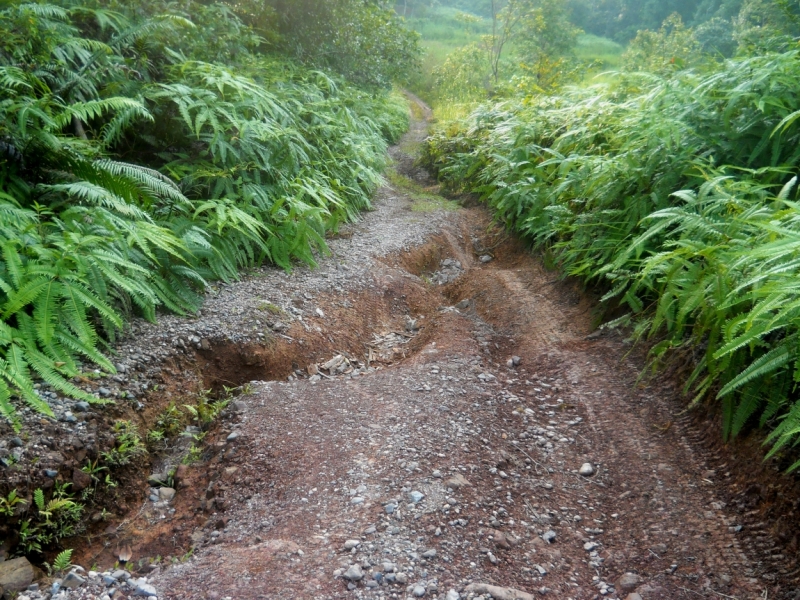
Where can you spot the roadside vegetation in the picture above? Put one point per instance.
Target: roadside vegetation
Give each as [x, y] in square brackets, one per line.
[147, 149]
[671, 184]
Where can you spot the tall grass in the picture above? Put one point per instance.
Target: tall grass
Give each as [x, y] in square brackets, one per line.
[678, 196]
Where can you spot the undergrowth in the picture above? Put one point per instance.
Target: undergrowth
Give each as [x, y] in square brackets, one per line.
[678, 195]
[146, 149]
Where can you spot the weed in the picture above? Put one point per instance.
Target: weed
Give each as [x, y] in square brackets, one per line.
[128, 445]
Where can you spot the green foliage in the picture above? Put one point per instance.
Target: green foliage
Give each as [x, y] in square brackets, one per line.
[134, 168]
[48, 521]
[8, 504]
[127, 445]
[671, 47]
[61, 563]
[677, 196]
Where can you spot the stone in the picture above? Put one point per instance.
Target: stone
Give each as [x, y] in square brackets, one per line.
[233, 436]
[157, 479]
[350, 544]
[590, 546]
[72, 581]
[457, 481]
[166, 494]
[50, 473]
[16, 575]
[401, 578]
[549, 536]
[453, 595]
[419, 591]
[121, 575]
[516, 360]
[416, 496]
[587, 469]
[629, 582]
[496, 592]
[16, 442]
[633, 596]
[486, 258]
[429, 553]
[354, 573]
[142, 588]
[180, 474]
[390, 508]
[81, 407]
[80, 480]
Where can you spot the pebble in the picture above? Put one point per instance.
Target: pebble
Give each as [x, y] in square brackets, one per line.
[429, 553]
[166, 494]
[350, 544]
[354, 573]
[590, 546]
[401, 578]
[416, 496]
[453, 595]
[72, 581]
[142, 588]
[629, 582]
[233, 436]
[549, 536]
[587, 469]
[419, 591]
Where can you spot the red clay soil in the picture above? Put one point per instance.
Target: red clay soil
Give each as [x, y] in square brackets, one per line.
[444, 464]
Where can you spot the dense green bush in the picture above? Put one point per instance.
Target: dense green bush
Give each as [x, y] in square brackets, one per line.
[678, 195]
[142, 154]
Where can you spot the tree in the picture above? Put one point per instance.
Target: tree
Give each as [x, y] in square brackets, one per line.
[539, 29]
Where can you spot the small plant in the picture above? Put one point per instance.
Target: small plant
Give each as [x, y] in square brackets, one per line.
[61, 563]
[128, 445]
[53, 520]
[9, 503]
[271, 308]
[206, 410]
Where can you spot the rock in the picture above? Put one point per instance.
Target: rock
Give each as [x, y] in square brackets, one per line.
[486, 258]
[498, 593]
[80, 480]
[457, 481]
[589, 546]
[81, 407]
[50, 473]
[104, 392]
[390, 508]
[72, 581]
[429, 553]
[157, 479]
[121, 575]
[401, 578]
[633, 596]
[233, 436]
[180, 474]
[453, 595]
[587, 469]
[419, 591]
[416, 496]
[463, 305]
[354, 573]
[549, 536]
[516, 360]
[629, 582]
[142, 588]
[16, 575]
[350, 544]
[166, 494]
[16, 442]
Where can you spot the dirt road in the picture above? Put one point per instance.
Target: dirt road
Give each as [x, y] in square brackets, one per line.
[449, 423]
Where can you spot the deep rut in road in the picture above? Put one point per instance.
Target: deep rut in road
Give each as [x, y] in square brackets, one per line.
[423, 432]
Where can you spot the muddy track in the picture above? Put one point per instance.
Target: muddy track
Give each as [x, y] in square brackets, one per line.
[390, 444]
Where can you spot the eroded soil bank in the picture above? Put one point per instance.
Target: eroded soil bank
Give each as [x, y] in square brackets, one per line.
[413, 420]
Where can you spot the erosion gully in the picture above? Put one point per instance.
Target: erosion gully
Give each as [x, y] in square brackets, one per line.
[430, 414]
